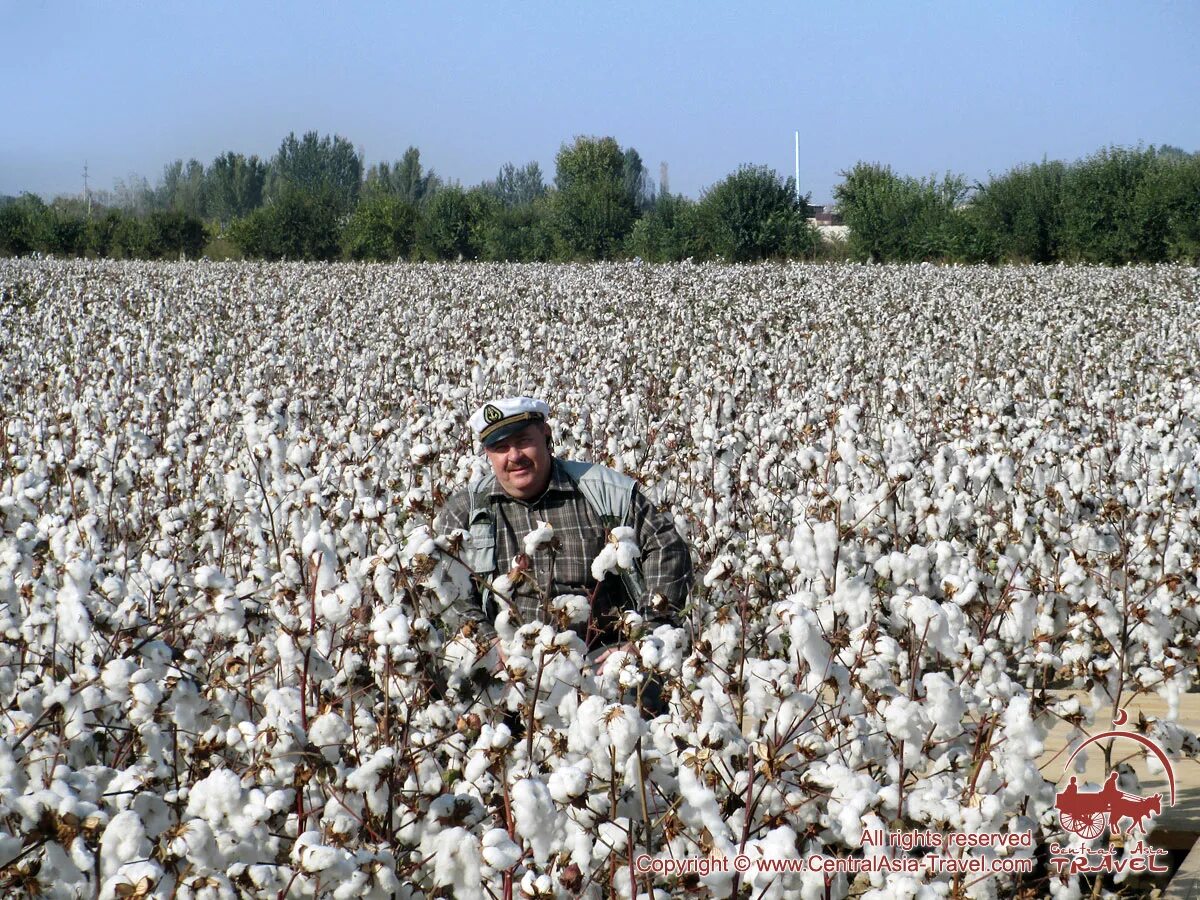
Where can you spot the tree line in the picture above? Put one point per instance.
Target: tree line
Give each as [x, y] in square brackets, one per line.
[316, 200]
[1117, 206]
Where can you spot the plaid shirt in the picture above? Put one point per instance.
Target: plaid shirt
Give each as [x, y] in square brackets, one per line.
[564, 566]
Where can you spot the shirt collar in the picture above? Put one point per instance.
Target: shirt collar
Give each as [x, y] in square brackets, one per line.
[560, 482]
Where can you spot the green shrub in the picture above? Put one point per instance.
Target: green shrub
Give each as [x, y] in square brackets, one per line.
[900, 219]
[298, 225]
[444, 229]
[381, 229]
[23, 224]
[755, 214]
[669, 232]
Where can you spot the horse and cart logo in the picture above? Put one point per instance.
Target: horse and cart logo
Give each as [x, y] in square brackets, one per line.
[1086, 813]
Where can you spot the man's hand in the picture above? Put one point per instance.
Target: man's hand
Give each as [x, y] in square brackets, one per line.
[602, 660]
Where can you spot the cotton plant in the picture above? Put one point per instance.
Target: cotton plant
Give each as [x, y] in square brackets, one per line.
[917, 499]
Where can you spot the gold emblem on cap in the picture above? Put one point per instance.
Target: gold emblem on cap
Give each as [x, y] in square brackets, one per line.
[492, 414]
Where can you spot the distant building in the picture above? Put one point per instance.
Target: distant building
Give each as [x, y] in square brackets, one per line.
[828, 223]
[824, 215]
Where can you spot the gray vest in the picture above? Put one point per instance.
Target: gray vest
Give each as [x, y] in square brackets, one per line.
[608, 493]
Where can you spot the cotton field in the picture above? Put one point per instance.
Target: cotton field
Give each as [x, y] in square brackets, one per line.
[918, 500]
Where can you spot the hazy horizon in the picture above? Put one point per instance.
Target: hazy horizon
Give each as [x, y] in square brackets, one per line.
[927, 88]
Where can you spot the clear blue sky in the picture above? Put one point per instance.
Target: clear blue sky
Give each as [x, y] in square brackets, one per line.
[969, 87]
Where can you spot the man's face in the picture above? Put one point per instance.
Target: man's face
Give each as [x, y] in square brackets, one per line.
[521, 461]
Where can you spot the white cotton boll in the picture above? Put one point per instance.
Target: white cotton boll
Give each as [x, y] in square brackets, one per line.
[1020, 731]
[123, 841]
[310, 855]
[619, 554]
[421, 454]
[231, 615]
[700, 810]
[778, 843]
[499, 851]
[650, 650]
[499, 736]
[299, 455]
[621, 671]
[623, 534]
[194, 842]
[624, 726]
[809, 644]
[419, 543]
[458, 659]
[290, 657]
[355, 887]
[569, 782]
[328, 732]
[503, 586]
[141, 876]
[671, 644]
[542, 534]
[160, 572]
[721, 567]
[319, 554]
[605, 562]
[212, 578]
[626, 555]
[368, 779]
[81, 857]
[456, 863]
[930, 621]
[536, 886]
[825, 542]
[74, 621]
[905, 719]
[583, 734]
[335, 606]
[612, 837]
[280, 799]
[944, 705]
[853, 598]
[533, 810]
[576, 607]
[216, 798]
[390, 627]
[115, 677]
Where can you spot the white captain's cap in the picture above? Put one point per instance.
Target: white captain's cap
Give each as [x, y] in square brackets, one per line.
[497, 419]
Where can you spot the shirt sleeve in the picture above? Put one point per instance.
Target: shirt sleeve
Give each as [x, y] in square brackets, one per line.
[454, 516]
[666, 561]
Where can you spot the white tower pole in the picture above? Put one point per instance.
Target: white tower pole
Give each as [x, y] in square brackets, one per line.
[797, 166]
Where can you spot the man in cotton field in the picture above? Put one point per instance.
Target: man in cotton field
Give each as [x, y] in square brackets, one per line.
[582, 502]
